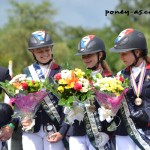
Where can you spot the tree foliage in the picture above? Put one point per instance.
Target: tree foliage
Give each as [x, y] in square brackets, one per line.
[27, 17]
[120, 22]
[24, 19]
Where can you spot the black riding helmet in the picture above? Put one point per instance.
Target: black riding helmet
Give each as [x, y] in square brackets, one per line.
[91, 44]
[6, 113]
[39, 39]
[130, 39]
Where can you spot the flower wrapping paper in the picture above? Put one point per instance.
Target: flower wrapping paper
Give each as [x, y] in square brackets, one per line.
[109, 103]
[27, 104]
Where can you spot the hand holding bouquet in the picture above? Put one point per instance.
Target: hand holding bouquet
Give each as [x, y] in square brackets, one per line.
[25, 94]
[73, 88]
[109, 94]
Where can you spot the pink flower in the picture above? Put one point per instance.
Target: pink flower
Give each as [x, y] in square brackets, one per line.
[24, 85]
[57, 76]
[77, 86]
[121, 78]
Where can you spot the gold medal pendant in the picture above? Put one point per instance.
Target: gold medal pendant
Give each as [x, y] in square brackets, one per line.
[138, 101]
[138, 87]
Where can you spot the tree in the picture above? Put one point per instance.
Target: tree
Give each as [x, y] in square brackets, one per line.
[120, 22]
[23, 20]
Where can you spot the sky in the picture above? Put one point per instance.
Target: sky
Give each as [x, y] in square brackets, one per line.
[85, 13]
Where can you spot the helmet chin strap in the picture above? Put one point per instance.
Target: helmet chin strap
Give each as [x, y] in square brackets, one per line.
[94, 67]
[136, 59]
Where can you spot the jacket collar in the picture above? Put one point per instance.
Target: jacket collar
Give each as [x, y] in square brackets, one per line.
[106, 73]
[128, 68]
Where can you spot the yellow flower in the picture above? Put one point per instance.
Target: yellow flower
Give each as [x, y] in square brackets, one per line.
[62, 81]
[79, 73]
[60, 89]
[110, 85]
[69, 86]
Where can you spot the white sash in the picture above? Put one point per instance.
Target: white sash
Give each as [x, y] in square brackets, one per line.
[132, 126]
[47, 98]
[33, 73]
[99, 136]
[52, 108]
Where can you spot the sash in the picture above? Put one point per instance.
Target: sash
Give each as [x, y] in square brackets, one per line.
[37, 72]
[138, 137]
[51, 110]
[48, 103]
[92, 128]
[93, 124]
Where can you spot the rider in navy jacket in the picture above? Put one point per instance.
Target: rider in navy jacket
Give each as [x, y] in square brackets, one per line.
[134, 129]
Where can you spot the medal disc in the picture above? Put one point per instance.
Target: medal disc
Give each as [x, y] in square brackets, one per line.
[138, 101]
[49, 127]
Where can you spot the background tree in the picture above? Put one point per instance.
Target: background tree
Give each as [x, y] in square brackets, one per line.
[120, 22]
[23, 20]
[26, 17]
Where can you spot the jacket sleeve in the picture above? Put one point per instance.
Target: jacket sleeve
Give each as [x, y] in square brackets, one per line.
[63, 126]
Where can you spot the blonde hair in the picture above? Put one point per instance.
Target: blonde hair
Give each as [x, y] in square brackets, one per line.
[105, 66]
[147, 59]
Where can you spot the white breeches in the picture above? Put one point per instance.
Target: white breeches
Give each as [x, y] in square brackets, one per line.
[38, 141]
[80, 143]
[125, 143]
[8, 144]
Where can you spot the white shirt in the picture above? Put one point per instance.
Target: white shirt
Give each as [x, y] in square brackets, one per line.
[137, 70]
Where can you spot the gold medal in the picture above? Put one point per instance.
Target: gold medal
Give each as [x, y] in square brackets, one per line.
[138, 87]
[138, 101]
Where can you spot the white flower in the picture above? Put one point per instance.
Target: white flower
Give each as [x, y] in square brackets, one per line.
[17, 92]
[105, 114]
[76, 113]
[85, 85]
[84, 81]
[65, 74]
[84, 89]
[20, 77]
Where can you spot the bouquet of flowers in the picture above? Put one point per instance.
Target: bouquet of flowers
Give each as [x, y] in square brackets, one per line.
[73, 88]
[109, 94]
[26, 94]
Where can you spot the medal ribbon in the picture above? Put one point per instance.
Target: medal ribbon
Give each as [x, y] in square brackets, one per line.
[138, 89]
[47, 72]
[39, 71]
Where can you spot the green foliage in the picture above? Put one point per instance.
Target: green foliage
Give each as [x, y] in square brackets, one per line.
[20, 85]
[27, 17]
[9, 89]
[63, 55]
[2, 97]
[72, 85]
[120, 22]
[126, 83]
